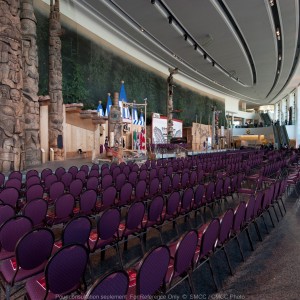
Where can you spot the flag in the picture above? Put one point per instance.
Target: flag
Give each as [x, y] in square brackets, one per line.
[108, 105]
[123, 102]
[100, 109]
[141, 121]
[135, 117]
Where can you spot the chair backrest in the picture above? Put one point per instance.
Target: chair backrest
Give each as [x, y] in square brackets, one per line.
[92, 183]
[140, 190]
[115, 172]
[193, 178]
[187, 198]
[111, 285]
[126, 170]
[13, 183]
[125, 194]
[239, 216]
[258, 203]
[155, 209]
[9, 196]
[226, 222]
[94, 173]
[36, 191]
[64, 206]
[209, 192]
[219, 188]
[6, 212]
[12, 230]
[106, 181]
[173, 203]
[76, 187]
[108, 223]
[77, 231]
[34, 248]
[36, 211]
[73, 170]
[105, 171]
[49, 180]
[81, 175]
[185, 251]
[153, 187]
[109, 196]
[15, 175]
[32, 180]
[166, 184]
[59, 172]
[226, 186]
[86, 169]
[120, 181]
[56, 190]
[185, 177]
[143, 175]
[87, 202]
[152, 271]
[46, 172]
[199, 194]
[135, 215]
[132, 178]
[65, 269]
[209, 237]
[95, 167]
[176, 181]
[66, 179]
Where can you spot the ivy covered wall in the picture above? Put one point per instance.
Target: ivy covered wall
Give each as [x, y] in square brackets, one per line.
[90, 71]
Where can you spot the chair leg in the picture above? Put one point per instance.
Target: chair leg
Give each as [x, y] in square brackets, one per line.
[277, 202]
[212, 274]
[228, 261]
[191, 285]
[268, 210]
[249, 238]
[265, 224]
[242, 254]
[119, 255]
[275, 212]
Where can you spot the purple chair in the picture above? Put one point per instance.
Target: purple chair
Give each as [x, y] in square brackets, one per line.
[76, 187]
[207, 236]
[125, 195]
[66, 179]
[198, 198]
[133, 223]
[106, 181]
[81, 175]
[182, 260]
[186, 202]
[10, 233]
[172, 207]
[115, 172]
[209, 196]
[6, 212]
[226, 223]
[126, 171]
[59, 173]
[73, 170]
[176, 182]
[86, 169]
[63, 210]
[63, 275]
[57, 189]
[45, 173]
[166, 185]
[49, 180]
[111, 285]
[36, 210]
[148, 277]
[132, 178]
[32, 180]
[106, 233]
[92, 183]
[76, 231]
[10, 196]
[13, 183]
[140, 191]
[15, 175]
[105, 171]
[95, 167]
[135, 168]
[87, 203]
[31, 255]
[120, 181]
[31, 173]
[94, 173]
[153, 188]
[143, 175]
[184, 182]
[249, 215]
[193, 179]
[239, 217]
[108, 198]
[34, 192]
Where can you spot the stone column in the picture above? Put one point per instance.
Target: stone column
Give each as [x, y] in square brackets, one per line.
[170, 107]
[55, 83]
[11, 85]
[30, 84]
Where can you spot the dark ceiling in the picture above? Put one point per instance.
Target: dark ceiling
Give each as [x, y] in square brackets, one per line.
[245, 49]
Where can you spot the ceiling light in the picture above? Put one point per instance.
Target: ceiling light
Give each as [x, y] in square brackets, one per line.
[279, 57]
[271, 2]
[278, 33]
[213, 63]
[205, 56]
[195, 47]
[170, 19]
[152, 1]
[185, 36]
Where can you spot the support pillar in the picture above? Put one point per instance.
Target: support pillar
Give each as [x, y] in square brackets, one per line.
[297, 101]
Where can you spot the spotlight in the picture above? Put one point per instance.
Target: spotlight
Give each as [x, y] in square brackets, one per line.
[213, 63]
[195, 47]
[170, 19]
[153, 1]
[205, 56]
[185, 36]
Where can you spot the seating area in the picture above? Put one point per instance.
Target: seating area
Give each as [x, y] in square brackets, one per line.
[97, 230]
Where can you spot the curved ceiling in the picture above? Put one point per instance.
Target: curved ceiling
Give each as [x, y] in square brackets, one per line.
[245, 49]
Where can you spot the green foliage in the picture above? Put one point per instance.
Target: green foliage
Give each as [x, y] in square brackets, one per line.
[90, 71]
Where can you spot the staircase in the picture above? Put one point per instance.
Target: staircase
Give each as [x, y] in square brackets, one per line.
[281, 136]
[266, 119]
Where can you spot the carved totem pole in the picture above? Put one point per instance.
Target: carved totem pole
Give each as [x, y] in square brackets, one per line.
[170, 104]
[11, 85]
[30, 84]
[55, 83]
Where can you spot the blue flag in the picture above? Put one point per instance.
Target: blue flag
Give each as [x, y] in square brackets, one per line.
[108, 105]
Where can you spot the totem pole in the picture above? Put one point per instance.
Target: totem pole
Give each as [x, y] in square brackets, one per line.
[30, 84]
[55, 83]
[11, 85]
[170, 104]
